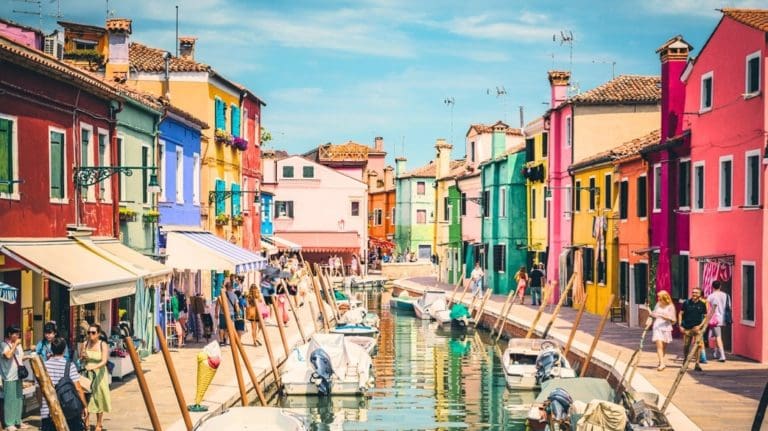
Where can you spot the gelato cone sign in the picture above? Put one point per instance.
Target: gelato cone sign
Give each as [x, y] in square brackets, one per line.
[208, 361]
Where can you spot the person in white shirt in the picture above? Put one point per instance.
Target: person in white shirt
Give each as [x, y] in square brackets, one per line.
[477, 279]
[664, 318]
[719, 300]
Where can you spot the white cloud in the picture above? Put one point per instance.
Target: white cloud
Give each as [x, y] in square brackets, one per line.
[486, 27]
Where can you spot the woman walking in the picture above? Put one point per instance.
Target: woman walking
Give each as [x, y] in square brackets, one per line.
[522, 282]
[94, 355]
[10, 362]
[664, 317]
[255, 304]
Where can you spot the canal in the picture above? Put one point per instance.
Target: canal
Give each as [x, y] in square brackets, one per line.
[426, 379]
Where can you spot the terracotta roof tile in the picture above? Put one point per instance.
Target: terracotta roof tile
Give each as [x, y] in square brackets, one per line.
[756, 18]
[499, 125]
[429, 170]
[622, 151]
[146, 59]
[622, 89]
[119, 24]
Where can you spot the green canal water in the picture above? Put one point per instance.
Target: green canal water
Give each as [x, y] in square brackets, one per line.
[426, 379]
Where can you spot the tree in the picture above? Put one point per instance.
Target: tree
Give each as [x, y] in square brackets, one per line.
[265, 136]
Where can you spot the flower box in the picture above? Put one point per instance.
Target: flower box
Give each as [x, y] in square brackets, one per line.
[127, 214]
[237, 220]
[223, 137]
[222, 219]
[151, 216]
[240, 143]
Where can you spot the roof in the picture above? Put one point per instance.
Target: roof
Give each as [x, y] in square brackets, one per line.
[755, 18]
[348, 152]
[81, 27]
[429, 170]
[146, 59]
[21, 26]
[45, 64]
[634, 89]
[622, 151]
[119, 24]
[497, 126]
[503, 155]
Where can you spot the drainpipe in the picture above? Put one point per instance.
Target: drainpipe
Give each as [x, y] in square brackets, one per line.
[462, 252]
[113, 149]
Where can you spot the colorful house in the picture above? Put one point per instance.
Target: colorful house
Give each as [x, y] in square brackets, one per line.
[535, 174]
[504, 232]
[381, 203]
[725, 87]
[414, 209]
[351, 158]
[447, 244]
[251, 170]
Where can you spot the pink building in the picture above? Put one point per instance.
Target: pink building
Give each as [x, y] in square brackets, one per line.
[726, 113]
[21, 34]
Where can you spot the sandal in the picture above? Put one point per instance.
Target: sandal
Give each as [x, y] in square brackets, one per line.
[661, 368]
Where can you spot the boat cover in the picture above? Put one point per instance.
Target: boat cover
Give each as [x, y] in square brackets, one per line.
[583, 389]
[333, 344]
[459, 311]
[603, 416]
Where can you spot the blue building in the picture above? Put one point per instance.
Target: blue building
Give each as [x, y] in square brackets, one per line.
[267, 228]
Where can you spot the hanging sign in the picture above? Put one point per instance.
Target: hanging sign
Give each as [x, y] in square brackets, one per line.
[8, 293]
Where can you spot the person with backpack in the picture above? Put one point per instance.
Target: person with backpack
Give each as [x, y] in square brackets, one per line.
[13, 373]
[65, 379]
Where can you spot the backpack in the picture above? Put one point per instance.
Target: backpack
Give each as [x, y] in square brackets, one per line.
[67, 394]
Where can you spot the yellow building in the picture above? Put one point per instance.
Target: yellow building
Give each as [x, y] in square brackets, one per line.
[535, 173]
[595, 235]
[446, 246]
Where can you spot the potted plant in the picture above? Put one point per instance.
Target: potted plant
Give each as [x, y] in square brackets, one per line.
[222, 219]
[127, 214]
[151, 216]
[240, 143]
[223, 137]
[237, 220]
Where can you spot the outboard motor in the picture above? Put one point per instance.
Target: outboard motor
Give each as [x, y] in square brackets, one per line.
[321, 377]
[545, 364]
[558, 407]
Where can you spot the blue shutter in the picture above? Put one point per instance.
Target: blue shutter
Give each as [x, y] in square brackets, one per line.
[220, 203]
[236, 196]
[235, 121]
[220, 114]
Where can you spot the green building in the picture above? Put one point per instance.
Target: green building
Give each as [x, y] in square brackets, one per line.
[414, 209]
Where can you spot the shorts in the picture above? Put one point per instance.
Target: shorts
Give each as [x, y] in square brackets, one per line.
[716, 331]
[223, 322]
[240, 325]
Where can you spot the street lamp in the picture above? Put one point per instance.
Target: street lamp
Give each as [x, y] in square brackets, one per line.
[153, 186]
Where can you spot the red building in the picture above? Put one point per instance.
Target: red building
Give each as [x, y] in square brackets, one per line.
[251, 169]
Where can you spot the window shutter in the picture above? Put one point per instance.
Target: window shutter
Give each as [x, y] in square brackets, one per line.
[220, 203]
[235, 199]
[6, 155]
[235, 121]
[220, 115]
[57, 171]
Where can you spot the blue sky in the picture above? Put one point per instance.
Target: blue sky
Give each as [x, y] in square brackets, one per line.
[336, 70]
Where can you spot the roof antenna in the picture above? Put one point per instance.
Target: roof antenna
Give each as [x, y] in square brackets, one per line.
[39, 11]
[566, 37]
[607, 61]
[177, 31]
[450, 102]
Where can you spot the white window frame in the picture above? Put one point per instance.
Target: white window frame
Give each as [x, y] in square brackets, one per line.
[695, 188]
[196, 179]
[704, 77]
[14, 195]
[568, 131]
[161, 147]
[105, 187]
[378, 221]
[747, 94]
[747, 205]
[65, 199]
[690, 178]
[359, 207]
[179, 174]
[754, 298]
[502, 202]
[244, 123]
[568, 198]
[90, 194]
[148, 203]
[656, 188]
[720, 195]
[121, 178]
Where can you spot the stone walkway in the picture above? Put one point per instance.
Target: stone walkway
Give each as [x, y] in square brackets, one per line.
[722, 397]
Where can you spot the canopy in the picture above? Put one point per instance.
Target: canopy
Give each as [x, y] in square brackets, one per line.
[150, 270]
[320, 241]
[89, 276]
[205, 251]
[281, 243]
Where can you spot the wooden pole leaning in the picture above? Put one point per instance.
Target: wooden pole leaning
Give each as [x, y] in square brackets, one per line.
[463, 292]
[575, 325]
[280, 326]
[503, 312]
[49, 393]
[145, 393]
[308, 300]
[251, 373]
[505, 316]
[320, 305]
[479, 314]
[268, 345]
[456, 289]
[544, 300]
[563, 295]
[327, 289]
[224, 304]
[295, 314]
[600, 327]
[174, 377]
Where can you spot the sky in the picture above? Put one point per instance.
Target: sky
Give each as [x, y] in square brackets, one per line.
[339, 70]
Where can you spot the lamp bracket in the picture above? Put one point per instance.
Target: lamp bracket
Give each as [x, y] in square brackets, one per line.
[89, 175]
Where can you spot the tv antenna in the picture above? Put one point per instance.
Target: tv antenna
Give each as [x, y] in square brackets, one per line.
[566, 37]
[501, 96]
[607, 61]
[39, 11]
[450, 102]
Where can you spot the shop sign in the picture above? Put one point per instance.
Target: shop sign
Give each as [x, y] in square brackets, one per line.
[8, 293]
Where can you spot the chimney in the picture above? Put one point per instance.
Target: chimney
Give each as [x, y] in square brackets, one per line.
[400, 166]
[443, 168]
[388, 180]
[187, 47]
[378, 143]
[674, 58]
[372, 177]
[498, 139]
[558, 83]
[119, 36]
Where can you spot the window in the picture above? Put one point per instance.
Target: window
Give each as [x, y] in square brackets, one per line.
[392, 219]
[180, 174]
[220, 187]
[577, 197]
[726, 182]
[308, 171]
[592, 193]
[421, 188]
[642, 196]
[752, 186]
[196, 179]
[706, 91]
[145, 175]
[463, 204]
[354, 208]
[684, 184]
[486, 203]
[503, 202]
[679, 276]
[533, 203]
[753, 74]
[287, 171]
[568, 131]
[377, 217]
[379, 183]
[234, 120]
[220, 112]
[421, 216]
[657, 187]
[472, 151]
[698, 186]
[623, 281]
[544, 201]
[499, 257]
[544, 144]
[588, 256]
[105, 187]
[608, 188]
[568, 199]
[85, 44]
[121, 178]
[284, 209]
[446, 209]
[58, 165]
[641, 283]
[601, 271]
[748, 292]
[86, 159]
[530, 149]
[161, 171]
[624, 199]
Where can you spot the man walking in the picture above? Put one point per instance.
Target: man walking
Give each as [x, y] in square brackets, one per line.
[720, 300]
[477, 280]
[536, 276]
[56, 366]
[690, 320]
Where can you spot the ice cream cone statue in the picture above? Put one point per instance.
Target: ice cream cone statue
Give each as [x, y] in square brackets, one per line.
[207, 363]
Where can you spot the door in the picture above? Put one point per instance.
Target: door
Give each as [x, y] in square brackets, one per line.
[60, 309]
[625, 302]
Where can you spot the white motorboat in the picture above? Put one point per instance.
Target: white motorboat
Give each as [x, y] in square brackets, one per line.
[253, 418]
[529, 362]
[328, 365]
[422, 305]
[356, 329]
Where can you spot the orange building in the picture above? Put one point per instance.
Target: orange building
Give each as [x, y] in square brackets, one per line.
[381, 204]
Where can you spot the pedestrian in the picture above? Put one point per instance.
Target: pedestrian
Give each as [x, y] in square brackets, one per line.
[233, 307]
[663, 320]
[722, 302]
[179, 310]
[522, 283]
[10, 362]
[255, 304]
[353, 264]
[58, 366]
[43, 347]
[240, 315]
[691, 320]
[476, 278]
[95, 354]
[536, 276]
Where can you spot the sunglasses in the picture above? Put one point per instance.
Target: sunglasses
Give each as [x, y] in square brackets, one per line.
[92, 332]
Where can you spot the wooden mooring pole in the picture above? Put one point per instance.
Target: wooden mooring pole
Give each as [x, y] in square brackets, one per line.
[224, 304]
[49, 393]
[251, 373]
[544, 300]
[575, 326]
[145, 393]
[174, 377]
[268, 345]
[596, 338]
[279, 320]
[456, 289]
[295, 314]
[563, 295]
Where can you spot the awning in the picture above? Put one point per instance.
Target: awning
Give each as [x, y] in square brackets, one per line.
[321, 242]
[281, 243]
[268, 248]
[645, 250]
[8, 293]
[205, 251]
[89, 276]
[150, 270]
[376, 242]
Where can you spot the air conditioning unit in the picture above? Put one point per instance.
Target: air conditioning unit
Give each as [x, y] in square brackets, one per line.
[54, 45]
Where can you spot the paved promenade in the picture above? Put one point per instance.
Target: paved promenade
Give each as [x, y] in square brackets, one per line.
[722, 397]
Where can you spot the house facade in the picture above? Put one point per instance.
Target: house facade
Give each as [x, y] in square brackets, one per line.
[447, 248]
[414, 210]
[251, 170]
[535, 173]
[381, 203]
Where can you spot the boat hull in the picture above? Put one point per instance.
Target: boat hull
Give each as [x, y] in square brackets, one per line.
[254, 418]
[401, 305]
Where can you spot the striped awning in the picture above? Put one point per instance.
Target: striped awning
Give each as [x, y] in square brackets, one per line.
[8, 293]
[206, 251]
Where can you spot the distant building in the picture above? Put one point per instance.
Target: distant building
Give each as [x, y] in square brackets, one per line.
[535, 174]
[447, 243]
[415, 210]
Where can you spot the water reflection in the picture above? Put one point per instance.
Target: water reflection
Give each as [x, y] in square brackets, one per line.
[426, 379]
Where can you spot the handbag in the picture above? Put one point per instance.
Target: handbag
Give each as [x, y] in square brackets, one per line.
[728, 313]
[263, 309]
[85, 382]
[713, 321]
[23, 371]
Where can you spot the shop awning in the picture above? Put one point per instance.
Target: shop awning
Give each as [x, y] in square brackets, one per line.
[268, 248]
[206, 251]
[376, 242]
[281, 243]
[150, 270]
[89, 276]
[8, 293]
[322, 242]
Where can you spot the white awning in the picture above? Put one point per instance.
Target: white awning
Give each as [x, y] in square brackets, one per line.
[281, 243]
[150, 270]
[205, 251]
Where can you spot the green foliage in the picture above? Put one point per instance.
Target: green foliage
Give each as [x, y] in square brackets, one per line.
[89, 55]
[265, 136]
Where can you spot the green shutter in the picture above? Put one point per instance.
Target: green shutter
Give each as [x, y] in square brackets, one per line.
[6, 155]
[57, 165]
[236, 196]
[235, 120]
[220, 203]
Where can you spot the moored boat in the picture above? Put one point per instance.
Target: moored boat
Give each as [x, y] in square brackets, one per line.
[355, 329]
[422, 305]
[528, 362]
[403, 302]
[368, 344]
[253, 418]
[566, 396]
